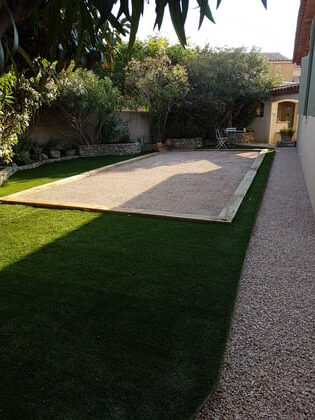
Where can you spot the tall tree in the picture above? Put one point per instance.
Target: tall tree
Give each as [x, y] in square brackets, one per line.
[159, 86]
[224, 82]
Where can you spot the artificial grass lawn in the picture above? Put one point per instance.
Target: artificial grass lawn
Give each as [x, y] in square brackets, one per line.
[109, 316]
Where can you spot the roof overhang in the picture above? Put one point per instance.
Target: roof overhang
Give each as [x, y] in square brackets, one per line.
[303, 30]
[285, 89]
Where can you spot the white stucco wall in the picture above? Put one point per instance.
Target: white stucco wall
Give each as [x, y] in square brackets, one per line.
[306, 150]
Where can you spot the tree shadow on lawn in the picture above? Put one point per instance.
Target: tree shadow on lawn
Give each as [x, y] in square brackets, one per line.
[125, 317]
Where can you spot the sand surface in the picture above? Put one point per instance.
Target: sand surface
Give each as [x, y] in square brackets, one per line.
[190, 182]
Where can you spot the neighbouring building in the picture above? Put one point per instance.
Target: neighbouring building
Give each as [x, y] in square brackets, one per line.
[280, 111]
[289, 71]
[304, 54]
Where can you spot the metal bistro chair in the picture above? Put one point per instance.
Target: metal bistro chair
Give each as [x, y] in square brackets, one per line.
[221, 141]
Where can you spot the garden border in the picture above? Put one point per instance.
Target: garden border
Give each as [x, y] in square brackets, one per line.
[11, 170]
[227, 215]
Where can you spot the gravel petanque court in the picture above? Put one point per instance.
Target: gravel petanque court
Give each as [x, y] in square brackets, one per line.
[198, 183]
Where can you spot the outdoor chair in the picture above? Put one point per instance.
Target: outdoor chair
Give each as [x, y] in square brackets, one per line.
[221, 141]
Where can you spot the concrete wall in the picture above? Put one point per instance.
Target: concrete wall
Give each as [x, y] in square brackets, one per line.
[51, 127]
[306, 132]
[138, 124]
[306, 151]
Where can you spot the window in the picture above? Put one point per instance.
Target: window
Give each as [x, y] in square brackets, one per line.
[260, 109]
[286, 112]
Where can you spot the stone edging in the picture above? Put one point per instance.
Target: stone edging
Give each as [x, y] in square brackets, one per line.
[11, 170]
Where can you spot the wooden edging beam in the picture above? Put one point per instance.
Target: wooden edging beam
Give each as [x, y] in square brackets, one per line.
[232, 206]
[226, 216]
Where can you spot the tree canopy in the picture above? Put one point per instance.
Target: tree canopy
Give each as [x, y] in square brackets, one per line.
[225, 84]
[77, 29]
[158, 85]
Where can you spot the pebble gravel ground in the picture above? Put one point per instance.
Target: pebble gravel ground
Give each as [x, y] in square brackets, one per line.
[192, 182]
[268, 371]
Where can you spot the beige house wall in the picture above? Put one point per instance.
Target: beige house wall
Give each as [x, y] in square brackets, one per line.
[306, 151]
[261, 125]
[296, 73]
[267, 128]
[284, 67]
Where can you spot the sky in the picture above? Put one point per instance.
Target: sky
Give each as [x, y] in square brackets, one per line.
[238, 23]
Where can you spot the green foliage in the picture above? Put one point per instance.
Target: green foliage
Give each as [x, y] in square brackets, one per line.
[86, 102]
[14, 117]
[159, 86]
[20, 99]
[224, 84]
[22, 158]
[153, 46]
[114, 130]
[289, 131]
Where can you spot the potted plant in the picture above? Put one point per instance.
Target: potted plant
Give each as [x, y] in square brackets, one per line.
[159, 146]
[286, 134]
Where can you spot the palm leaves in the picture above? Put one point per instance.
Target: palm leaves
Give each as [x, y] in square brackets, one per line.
[67, 29]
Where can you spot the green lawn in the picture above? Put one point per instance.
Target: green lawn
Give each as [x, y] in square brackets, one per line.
[109, 316]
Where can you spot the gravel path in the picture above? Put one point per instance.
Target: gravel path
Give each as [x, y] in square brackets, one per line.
[194, 182]
[269, 365]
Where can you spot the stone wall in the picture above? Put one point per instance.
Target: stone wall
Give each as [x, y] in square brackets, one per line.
[5, 173]
[110, 149]
[246, 138]
[189, 143]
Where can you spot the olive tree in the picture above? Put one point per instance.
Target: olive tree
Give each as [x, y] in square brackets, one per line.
[159, 86]
[225, 84]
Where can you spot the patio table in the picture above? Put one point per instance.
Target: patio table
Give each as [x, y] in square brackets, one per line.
[232, 135]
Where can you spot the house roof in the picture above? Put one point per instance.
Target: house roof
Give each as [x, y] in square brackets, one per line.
[288, 88]
[276, 56]
[303, 30]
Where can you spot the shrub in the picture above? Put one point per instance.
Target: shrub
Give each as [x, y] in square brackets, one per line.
[13, 118]
[89, 104]
[288, 131]
[158, 85]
